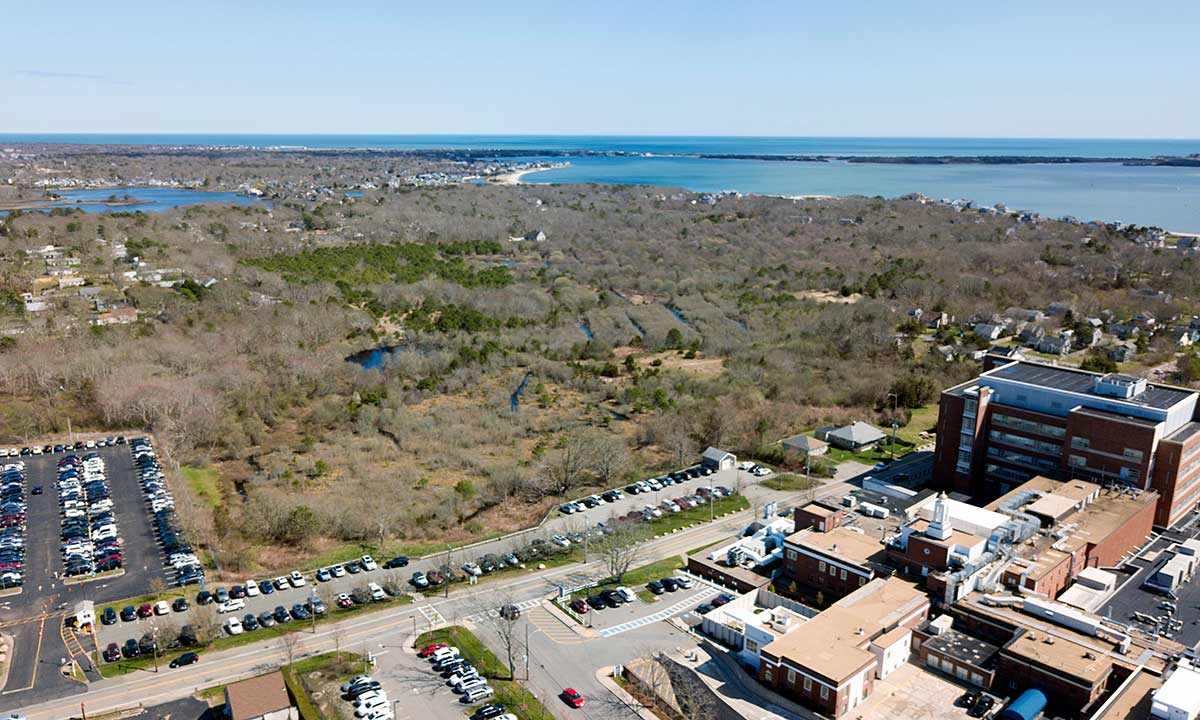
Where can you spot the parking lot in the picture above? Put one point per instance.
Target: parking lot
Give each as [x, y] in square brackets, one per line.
[45, 588]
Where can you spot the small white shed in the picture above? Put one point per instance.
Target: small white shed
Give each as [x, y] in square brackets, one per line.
[718, 459]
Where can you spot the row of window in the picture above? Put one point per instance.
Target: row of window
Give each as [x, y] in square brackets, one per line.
[791, 680]
[1082, 443]
[1022, 459]
[1029, 426]
[1041, 446]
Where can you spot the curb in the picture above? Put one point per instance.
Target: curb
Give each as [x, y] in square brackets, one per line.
[604, 677]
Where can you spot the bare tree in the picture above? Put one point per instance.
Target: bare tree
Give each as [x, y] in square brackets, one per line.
[291, 644]
[497, 612]
[206, 622]
[694, 698]
[610, 456]
[621, 548]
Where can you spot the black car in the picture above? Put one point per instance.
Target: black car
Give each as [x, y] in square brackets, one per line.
[180, 605]
[363, 688]
[250, 622]
[596, 602]
[281, 614]
[488, 711]
[131, 649]
[981, 706]
[188, 658]
[704, 609]
[397, 562]
[204, 597]
[670, 584]
[655, 587]
[37, 490]
[237, 591]
[109, 616]
[968, 699]
[612, 597]
[129, 613]
[299, 612]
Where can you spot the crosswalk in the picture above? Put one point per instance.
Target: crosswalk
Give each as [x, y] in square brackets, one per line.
[678, 607]
[431, 615]
[495, 612]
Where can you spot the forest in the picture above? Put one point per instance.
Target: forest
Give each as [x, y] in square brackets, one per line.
[649, 325]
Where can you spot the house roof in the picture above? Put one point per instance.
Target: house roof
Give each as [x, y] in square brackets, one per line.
[859, 433]
[713, 453]
[257, 696]
[805, 442]
[840, 544]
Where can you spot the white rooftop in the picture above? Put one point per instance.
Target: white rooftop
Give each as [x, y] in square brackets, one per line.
[967, 518]
[1181, 692]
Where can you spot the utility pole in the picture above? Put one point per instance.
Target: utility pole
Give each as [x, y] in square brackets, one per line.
[448, 571]
[895, 400]
[527, 652]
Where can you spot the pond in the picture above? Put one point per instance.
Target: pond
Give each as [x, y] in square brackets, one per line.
[379, 358]
[145, 199]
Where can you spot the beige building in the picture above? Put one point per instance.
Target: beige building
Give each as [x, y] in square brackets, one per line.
[260, 698]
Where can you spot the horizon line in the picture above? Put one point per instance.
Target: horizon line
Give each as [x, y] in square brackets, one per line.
[579, 134]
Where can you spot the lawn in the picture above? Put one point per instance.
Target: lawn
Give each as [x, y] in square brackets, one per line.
[924, 419]
[670, 522]
[515, 698]
[881, 453]
[205, 482]
[340, 666]
[225, 642]
[558, 560]
[788, 482]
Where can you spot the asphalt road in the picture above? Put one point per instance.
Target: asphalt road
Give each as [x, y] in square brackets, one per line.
[390, 631]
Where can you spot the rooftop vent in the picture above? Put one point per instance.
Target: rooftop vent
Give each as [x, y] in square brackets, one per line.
[1118, 385]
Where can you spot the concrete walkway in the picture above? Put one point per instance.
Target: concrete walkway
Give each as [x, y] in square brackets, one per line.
[720, 672]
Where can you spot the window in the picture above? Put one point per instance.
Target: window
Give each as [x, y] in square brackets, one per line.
[751, 646]
[832, 571]
[767, 675]
[821, 566]
[1134, 454]
[791, 677]
[1077, 461]
[824, 693]
[791, 554]
[808, 685]
[1080, 443]
[843, 575]
[862, 581]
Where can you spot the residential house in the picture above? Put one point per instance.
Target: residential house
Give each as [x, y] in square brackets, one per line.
[937, 320]
[805, 446]
[1032, 334]
[1123, 331]
[1123, 352]
[1058, 309]
[1182, 336]
[1145, 320]
[987, 331]
[855, 436]
[1017, 313]
[1060, 345]
[1089, 339]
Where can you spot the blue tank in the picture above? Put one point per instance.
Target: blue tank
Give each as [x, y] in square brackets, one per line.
[1026, 707]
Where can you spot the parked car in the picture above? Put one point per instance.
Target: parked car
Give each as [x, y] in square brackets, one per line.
[655, 587]
[180, 605]
[397, 562]
[109, 616]
[112, 653]
[430, 649]
[579, 606]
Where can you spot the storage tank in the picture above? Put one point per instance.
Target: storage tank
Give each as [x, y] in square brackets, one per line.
[1026, 707]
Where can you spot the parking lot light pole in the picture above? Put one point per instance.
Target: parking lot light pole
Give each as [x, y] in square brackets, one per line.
[895, 399]
[446, 580]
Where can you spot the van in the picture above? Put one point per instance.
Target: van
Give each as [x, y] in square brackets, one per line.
[477, 693]
[442, 654]
[467, 685]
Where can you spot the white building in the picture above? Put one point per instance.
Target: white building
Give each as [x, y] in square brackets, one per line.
[1179, 697]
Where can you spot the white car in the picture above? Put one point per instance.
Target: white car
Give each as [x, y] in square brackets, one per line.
[684, 581]
[626, 593]
[338, 571]
[162, 607]
[371, 707]
[296, 579]
[377, 592]
[560, 541]
[368, 563]
[471, 568]
[233, 626]
[653, 511]
[367, 698]
[252, 589]
[231, 605]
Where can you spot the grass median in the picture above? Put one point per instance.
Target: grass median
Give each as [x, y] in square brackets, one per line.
[509, 693]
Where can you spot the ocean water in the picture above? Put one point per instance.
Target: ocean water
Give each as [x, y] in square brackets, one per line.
[156, 199]
[1168, 197]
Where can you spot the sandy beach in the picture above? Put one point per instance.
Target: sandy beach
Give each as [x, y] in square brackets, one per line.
[514, 178]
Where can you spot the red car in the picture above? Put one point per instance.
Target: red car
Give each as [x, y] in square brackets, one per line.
[145, 610]
[430, 649]
[579, 606]
[112, 653]
[572, 697]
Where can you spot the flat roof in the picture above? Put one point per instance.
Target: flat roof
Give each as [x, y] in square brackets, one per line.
[1062, 654]
[1134, 700]
[1053, 506]
[957, 537]
[1184, 433]
[819, 509]
[960, 646]
[1057, 377]
[841, 544]
[1181, 690]
[831, 644]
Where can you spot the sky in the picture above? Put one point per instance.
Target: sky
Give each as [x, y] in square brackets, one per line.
[1055, 68]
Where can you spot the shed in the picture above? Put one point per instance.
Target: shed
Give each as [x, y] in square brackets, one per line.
[718, 459]
[85, 614]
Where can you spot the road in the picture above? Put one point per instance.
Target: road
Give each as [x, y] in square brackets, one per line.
[374, 632]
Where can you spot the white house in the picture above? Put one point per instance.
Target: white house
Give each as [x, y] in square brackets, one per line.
[718, 459]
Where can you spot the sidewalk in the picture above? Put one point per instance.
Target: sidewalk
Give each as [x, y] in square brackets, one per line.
[721, 673]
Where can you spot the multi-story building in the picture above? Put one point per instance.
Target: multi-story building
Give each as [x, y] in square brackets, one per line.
[831, 661]
[831, 564]
[1022, 419]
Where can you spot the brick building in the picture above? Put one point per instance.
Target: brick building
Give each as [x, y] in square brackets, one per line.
[834, 563]
[818, 516]
[1021, 419]
[830, 663]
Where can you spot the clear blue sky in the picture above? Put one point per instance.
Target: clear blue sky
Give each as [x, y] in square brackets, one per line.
[982, 69]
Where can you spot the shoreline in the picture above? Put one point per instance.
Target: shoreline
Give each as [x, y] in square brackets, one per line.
[514, 178]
